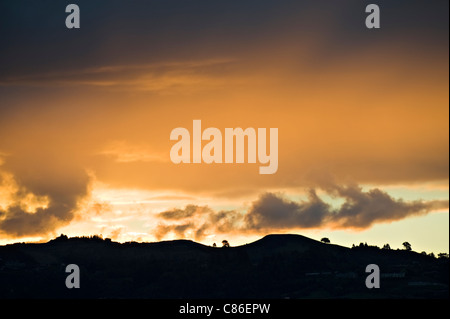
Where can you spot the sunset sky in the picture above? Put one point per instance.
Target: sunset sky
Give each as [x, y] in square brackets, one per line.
[362, 117]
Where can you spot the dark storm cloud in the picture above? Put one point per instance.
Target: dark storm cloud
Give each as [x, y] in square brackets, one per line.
[35, 41]
[273, 211]
[270, 212]
[360, 209]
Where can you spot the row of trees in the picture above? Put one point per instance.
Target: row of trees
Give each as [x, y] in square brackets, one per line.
[406, 246]
[225, 244]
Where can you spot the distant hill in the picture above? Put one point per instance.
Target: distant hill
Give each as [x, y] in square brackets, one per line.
[276, 266]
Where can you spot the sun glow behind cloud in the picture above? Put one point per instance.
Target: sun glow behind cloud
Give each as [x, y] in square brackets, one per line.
[351, 107]
[27, 201]
[136, 215]
[140, 215]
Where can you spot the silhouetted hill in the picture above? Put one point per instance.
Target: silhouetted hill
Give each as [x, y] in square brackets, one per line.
[275, 243]
[285, 241]
[276, 266]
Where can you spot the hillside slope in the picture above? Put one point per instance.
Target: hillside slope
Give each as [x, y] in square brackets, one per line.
[276, 266]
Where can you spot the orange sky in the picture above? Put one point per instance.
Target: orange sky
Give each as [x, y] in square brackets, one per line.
[374, 113]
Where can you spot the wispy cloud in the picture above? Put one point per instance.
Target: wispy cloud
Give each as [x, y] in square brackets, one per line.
[124, 152]
[157, 77]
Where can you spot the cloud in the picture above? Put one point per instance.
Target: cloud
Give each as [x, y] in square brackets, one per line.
[113, 232]
[273, 212]
[197, 222]
[40, 199]
[123, 152]
[360, 209]
[189, 211]
[133, 90]
[363, 209]
[163, 77]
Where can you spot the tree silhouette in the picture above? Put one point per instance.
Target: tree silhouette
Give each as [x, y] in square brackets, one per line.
[407, 245]
[225, 243]
[387, 246]
[62, 237]
[325, 240]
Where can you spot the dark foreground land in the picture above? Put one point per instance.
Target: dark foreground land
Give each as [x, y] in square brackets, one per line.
[276, 267]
